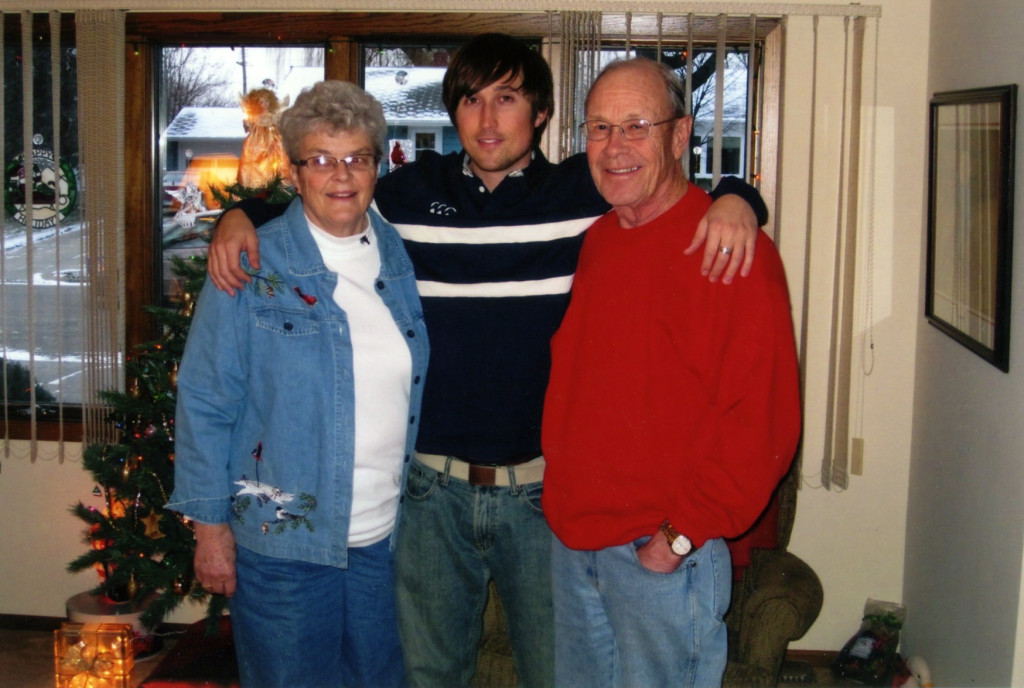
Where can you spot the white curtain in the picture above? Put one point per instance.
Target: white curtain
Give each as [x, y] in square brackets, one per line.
[101, 51]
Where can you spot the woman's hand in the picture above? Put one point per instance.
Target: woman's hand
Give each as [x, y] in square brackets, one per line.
[215, 558]
[730, 228]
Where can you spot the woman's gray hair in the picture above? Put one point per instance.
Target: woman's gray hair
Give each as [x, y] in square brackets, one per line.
[332, 107]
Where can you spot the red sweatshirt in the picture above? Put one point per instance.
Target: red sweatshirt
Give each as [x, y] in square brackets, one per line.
[671, 398]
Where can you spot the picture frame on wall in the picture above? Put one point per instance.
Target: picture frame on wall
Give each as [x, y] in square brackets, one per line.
[970, 218]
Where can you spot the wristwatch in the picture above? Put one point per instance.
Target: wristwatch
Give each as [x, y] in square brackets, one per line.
[679, 543]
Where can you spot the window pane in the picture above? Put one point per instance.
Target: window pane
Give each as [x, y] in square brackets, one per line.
[406, 79]
[42, 323]
[203, 127]
[734, 106]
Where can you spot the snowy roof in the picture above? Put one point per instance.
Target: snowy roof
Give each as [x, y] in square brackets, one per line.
[408, 94]
[207, 123]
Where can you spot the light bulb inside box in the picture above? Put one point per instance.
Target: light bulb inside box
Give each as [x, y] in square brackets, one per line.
[91, 655]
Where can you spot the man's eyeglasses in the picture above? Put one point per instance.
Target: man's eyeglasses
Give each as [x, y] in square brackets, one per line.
[327, 163]
[633, 129]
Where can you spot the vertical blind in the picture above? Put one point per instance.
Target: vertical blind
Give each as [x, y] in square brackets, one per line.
[62, 278]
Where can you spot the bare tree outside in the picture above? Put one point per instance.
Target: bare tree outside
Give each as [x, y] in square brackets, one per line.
[407, 56]
[192, 78]
[735, 89]
[703, 106]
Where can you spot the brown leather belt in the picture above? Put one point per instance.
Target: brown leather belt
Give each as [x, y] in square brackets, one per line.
[530, 471]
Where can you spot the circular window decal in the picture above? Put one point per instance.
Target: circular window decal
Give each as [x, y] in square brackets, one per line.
[54, 190]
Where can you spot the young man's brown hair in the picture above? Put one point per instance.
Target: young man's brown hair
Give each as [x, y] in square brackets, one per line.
[492, 57]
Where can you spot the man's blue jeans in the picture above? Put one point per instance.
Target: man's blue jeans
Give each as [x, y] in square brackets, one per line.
[453, 537]
[306, 625]
[620, 625]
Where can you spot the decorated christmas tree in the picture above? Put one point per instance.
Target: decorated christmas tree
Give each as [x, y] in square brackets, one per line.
[141, 550]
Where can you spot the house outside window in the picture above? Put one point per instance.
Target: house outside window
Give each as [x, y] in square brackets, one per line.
[203, 128]
[202, 140]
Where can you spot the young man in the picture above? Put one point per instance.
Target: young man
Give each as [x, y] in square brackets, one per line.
[671, 414]
[494, 233]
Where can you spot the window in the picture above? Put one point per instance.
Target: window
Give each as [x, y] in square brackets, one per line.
[355, 46]
[406, 79]
[403, 68]
[427, 140]
[704, 106]
[732, 156]
[387, 52]
[202, 125]
[43, 254]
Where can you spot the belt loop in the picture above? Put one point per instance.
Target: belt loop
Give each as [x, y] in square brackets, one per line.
[513, 484]
[446, 476]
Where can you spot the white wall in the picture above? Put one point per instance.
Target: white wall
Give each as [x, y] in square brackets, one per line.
[965, 511]
[40, 534]
[855, 539]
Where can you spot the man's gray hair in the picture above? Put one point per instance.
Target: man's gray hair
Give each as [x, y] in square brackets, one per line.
[332, 107]
[675, 89]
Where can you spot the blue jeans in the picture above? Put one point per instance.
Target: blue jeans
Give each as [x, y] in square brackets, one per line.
[306, 625]
[453, 538]
[620, 625]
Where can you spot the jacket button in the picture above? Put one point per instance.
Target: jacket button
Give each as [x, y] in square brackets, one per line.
[412, 420]
[288, 326]
[416, 380]
[410, 333]
[380, 284]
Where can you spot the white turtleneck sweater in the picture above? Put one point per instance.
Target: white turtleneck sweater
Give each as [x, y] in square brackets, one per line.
[382, 368]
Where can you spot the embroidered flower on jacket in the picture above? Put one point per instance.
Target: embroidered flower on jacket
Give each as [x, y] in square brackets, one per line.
[267, 285]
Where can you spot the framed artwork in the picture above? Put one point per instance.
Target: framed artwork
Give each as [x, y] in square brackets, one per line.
[970, 217]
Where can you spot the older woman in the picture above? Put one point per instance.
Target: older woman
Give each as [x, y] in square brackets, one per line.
[297, 410]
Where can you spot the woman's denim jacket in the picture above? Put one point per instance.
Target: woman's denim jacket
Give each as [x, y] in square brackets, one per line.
[265, 410]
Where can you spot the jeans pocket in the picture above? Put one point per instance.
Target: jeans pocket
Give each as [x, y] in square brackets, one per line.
[531, 494]
[421, 482]
[634, 553]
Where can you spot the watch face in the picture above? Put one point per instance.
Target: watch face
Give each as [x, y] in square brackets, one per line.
[682, 545]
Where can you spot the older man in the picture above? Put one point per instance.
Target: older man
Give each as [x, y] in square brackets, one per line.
[671, 414]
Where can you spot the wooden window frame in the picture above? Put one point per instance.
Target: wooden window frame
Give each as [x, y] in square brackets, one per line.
[341, 33]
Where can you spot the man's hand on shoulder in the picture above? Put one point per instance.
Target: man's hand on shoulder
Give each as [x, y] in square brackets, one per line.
[234, 235]
[729, 234]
